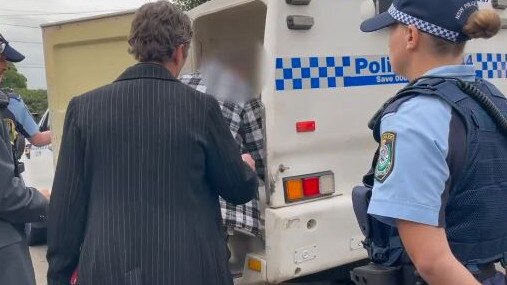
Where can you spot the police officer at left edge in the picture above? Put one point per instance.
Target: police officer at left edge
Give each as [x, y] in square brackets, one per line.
[18, 204]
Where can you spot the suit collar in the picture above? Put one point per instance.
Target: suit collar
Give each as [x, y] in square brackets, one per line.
[146, 70]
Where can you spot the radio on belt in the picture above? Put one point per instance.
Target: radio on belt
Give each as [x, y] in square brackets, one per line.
[299, 22]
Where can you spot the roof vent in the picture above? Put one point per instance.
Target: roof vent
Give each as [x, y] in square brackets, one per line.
[499, 4]
[298, 22]
[298, 2]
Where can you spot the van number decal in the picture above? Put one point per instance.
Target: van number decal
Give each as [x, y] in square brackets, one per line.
[297, 73]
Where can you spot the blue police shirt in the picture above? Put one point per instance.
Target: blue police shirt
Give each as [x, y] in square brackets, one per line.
[23, 116]
[419, 135]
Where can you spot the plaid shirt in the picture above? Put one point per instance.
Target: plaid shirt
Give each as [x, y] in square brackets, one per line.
[245, 123]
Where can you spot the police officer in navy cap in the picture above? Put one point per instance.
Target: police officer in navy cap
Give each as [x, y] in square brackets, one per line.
[21, 119]
[18, 204]
[436, 197]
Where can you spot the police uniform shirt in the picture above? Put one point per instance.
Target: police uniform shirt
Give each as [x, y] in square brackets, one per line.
[25, 124]
[412, 171]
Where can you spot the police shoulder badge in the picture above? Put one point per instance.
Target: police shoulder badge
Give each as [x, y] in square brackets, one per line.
[385, 162]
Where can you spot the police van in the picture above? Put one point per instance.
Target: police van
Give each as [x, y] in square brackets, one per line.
[325, 79]
[39, 173]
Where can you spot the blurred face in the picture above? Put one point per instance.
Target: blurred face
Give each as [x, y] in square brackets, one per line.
[397, 50]
[3, 67]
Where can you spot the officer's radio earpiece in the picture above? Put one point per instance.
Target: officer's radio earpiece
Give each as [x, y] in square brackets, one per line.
[483, 99]
[485, 102]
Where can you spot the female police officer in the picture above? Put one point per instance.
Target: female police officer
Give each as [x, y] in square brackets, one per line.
[440, 174]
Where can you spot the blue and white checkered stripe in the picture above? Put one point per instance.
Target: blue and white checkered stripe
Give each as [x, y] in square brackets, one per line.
[423, 25]
[488, 65]
[298, 73]
[309, 72]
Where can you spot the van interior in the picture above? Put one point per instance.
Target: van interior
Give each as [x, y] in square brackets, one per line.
[233, 23]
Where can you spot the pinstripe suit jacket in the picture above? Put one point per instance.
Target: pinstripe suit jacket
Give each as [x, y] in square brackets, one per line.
[135, 196]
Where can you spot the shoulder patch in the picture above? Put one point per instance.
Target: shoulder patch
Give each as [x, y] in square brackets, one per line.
[385, 162]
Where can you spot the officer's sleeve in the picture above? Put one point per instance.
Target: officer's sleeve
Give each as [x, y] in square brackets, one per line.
[69, 202]
[18, 203]
[227, 174]
[25, 122]
[411, 173]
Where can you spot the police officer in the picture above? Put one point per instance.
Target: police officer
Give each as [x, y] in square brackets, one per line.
[17, 113]
[18, 203]
[439, 176]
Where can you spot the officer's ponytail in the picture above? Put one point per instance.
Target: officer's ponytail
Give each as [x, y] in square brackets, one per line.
[483, 24]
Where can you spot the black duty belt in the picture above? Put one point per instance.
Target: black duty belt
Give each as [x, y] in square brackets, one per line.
[486, 271]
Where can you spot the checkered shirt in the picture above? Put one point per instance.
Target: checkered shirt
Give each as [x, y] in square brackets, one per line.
[245, 123]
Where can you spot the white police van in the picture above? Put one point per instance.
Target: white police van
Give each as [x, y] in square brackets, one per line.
[39, 173]
[325, 80]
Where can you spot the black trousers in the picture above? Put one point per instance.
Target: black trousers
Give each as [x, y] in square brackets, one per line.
[16, 266]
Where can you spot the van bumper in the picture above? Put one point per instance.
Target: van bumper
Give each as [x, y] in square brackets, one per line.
[311, 237]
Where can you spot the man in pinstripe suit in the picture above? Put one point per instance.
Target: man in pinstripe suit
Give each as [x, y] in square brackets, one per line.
[147, 211]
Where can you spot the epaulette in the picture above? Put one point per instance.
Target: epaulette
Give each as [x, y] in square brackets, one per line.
[11, 93]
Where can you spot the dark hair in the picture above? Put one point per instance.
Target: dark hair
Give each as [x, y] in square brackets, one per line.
[483, 23]
[157, 30]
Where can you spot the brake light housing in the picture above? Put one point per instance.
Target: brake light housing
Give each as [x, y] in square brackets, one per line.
[310, 186]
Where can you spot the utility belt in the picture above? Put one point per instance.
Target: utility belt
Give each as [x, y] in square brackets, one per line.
[393, 268]
[374, 274]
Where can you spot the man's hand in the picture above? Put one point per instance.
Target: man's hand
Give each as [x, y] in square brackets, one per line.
[45, 192]
[249, 160]
[41, 138]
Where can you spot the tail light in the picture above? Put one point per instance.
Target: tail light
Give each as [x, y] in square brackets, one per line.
[309, 186]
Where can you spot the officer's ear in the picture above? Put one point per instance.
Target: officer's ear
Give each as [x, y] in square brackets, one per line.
[412, 37]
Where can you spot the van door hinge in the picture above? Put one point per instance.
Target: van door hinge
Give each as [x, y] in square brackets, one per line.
[273, 178]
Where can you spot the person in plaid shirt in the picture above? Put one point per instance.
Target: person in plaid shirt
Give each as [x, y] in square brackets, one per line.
[244, 116]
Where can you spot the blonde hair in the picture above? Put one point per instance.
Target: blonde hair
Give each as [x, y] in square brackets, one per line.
[484, 23]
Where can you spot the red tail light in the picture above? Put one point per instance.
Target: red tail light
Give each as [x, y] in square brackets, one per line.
[310, 186]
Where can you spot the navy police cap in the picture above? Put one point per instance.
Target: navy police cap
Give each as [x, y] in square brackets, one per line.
[441, 18]
[9, 52]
